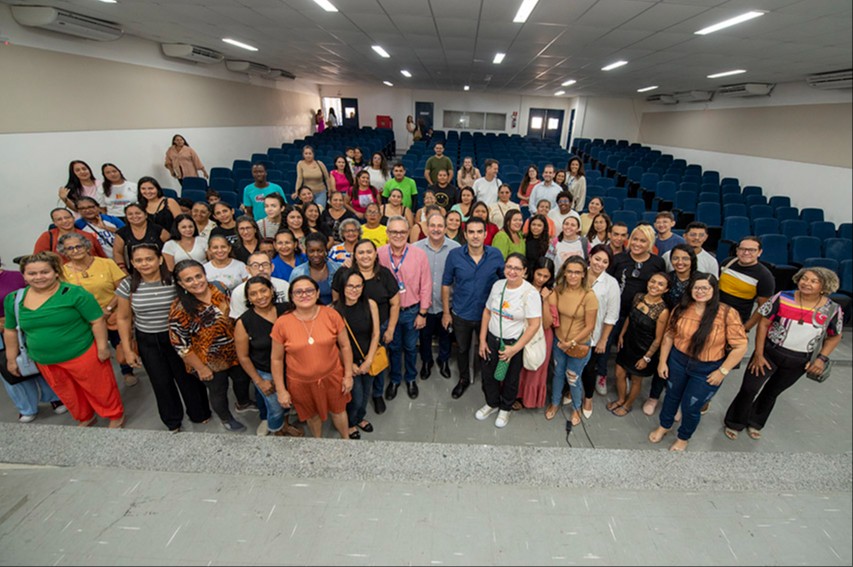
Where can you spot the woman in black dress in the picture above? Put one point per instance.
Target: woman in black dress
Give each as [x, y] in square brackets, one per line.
[638, 349]
[138, 230]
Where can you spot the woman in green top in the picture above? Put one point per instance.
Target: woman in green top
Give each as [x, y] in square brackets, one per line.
[67, 338]
[466, 201]
[510, 239]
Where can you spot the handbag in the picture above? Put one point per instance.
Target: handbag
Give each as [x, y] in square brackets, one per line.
[380, 357]
[26, 366]
[578, 351]
[827, 366]
[502, 365]
[535, 351]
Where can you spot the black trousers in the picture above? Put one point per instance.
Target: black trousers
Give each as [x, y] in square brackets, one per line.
[590, 373]
[171, 382]
[466, 332]
[218, 388]
[501, 394]
[753, 404]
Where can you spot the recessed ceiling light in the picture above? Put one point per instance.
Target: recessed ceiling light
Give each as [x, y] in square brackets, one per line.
[646, 89]
[614, 65]
[524, 11]
[388, 83]
[499, 57]
[568, 83]
[378, 49]
[727, 73]
[730, 22]
[239, 44]
[326, 5]
[108, 1]
[405, 73]
[559, 93]
[466, 88]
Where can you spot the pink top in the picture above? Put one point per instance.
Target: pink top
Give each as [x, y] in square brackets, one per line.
[411, 269]
[183, 163]
[361, 198]
[342, 184]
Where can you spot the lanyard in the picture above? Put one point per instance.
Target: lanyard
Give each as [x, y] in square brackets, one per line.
[400, 265]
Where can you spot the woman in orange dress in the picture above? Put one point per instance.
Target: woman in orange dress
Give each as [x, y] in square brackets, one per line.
[319, 360]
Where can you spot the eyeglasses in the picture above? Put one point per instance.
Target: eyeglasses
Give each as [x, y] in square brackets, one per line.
[702, 289]
[259, 265]
[304, 292]
[397, 232]
[513, 268]
[747, 250]
[75, 248]
[574, 272]
[637, 267]
[350, 231]
[354, 287]
[86, 207]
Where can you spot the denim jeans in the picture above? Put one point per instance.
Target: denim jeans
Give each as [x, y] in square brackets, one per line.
[687, 386]
[379, 379]
[405, 343]
[433, 327]
[357, 406]
[563, 363]
[26, 395]
[275, 413]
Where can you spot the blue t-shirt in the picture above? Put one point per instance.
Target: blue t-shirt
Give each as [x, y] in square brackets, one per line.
[282, 270]
[665, 246]
[325, 285]
[472, 282]
[253, 198]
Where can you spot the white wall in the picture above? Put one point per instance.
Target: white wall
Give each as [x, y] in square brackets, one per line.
[400, 102]
[617, 118]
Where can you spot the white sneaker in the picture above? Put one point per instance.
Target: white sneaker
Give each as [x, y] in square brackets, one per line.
[567, 400]
[601, 385]
[28, 418]
[485, 412]
[503, 419]
[263, 429]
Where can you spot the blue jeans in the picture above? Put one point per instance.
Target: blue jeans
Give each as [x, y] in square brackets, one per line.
[319, 198]
[379, 379]
[406, 343]
[275, 413]
[688, 387]
[357, 406]
[26, 395]
[563, 363]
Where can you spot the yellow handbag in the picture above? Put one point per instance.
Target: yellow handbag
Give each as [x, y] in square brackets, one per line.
[380, 358]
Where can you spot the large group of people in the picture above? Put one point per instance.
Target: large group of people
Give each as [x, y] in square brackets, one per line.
[325, 299]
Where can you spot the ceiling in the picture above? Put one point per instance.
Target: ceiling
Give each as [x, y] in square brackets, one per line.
[446, 44]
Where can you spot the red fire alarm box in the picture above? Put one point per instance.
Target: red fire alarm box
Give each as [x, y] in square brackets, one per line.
[383, 121]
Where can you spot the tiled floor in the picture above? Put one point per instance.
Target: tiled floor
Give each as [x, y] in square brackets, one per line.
[705, 507]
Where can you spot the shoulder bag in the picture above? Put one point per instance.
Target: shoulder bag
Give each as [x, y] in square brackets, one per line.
[535, 350]
[26, 366]
[380, 358]
[827, 366]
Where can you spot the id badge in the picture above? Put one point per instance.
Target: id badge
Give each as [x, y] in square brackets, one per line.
[402, 287]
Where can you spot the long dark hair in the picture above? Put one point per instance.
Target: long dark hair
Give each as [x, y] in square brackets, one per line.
[188, 300]
[694, 263]
[285, 230]
[592, 233]
[546, 264]
[261, 280]
[525, 181]
[341, 304]
[510, 214]
[347, 171]
[74, 186]
[706, 324]
[136, 277]
[174, 233]
[107, 184]
[140, 198]
[543, 241]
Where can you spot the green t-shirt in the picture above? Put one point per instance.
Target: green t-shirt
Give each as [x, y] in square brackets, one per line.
[407, 186]
[504, 243]
[253, 198]
[60, 330]
[435, 164]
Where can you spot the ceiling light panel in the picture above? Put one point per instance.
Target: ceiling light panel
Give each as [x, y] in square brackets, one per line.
[405, 73]
[378, 49]
[568, 83]
[647, 89]
[388, 83]
[499, 57]
[727, 73]
[614, 65]
[524, 11]
[326, 5]
[730, 22]
[239, 44]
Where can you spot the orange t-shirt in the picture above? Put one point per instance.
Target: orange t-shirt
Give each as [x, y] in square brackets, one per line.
[311, 362]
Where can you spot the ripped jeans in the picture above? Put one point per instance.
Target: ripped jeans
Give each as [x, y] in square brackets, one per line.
[687, 387]
[563, 363]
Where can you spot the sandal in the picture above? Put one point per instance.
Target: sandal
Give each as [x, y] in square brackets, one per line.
[658, 434]
[678, 446]
[753, 433]
[366, 426]
[551, 412]
[576, 418]
[517, 406]
[613, 405]
[355, 434]
[730, 433]
[624, 410]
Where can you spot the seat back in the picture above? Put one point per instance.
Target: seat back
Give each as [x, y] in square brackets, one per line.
[845, 230]
[634, 204]
[765, 225]
[822, 229]
[775, 249]
[754, 199]
[803, 247]
[628, 217]
[666, 190]
[838, 249]
[792, 228]
[736, 228]
[815, 262]
[779, 201]
[734, 210]
[753, 190]
[709, 213]
[787, 213]
[811, 215]
[194, 195]
[685, 201]
[194, 183]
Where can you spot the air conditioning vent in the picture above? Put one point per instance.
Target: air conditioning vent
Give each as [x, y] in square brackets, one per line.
[746, 89]
[832, 80]
[191, 53]
[694, 96]
[278, 74]
[248, 67]
[662, 99]
[63, 21]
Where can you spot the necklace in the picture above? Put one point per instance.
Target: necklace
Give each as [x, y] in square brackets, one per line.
[310, 331]
[802, 308]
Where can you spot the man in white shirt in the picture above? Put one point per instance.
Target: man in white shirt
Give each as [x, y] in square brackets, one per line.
[563, 211]
[258, 264]
[695, 235]
[546, 189]
[486, 187]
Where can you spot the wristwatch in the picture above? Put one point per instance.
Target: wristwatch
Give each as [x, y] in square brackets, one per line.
[823, 358]
[648, 359]
[422, 314]
[723, 371]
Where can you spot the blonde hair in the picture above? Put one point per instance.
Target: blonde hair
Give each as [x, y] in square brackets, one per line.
[562, 285]
[647, 231]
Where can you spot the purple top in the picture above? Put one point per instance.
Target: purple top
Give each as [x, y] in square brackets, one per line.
[9, 282]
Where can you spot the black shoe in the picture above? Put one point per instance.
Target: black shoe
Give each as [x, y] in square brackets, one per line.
[378, 405]
[444, 368]
[460, 389]
[412, 389]
[391, 391]
[426, 370]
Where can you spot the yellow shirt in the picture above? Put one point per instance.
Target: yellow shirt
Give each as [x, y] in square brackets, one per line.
[377, 235]
[101, 279]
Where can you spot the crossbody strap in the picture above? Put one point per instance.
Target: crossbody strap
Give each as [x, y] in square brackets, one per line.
[576, 312]
[355, 340]
[19, 297]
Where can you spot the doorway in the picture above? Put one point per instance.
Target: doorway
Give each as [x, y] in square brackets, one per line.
[423, 111]
[350, 112]
[545, 123]
[330, 105]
